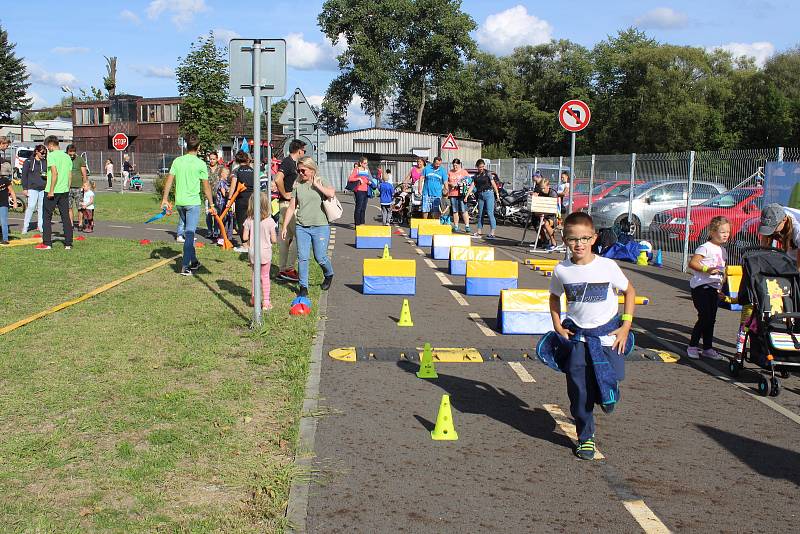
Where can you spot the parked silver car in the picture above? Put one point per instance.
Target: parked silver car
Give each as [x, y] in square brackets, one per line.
[648, 199]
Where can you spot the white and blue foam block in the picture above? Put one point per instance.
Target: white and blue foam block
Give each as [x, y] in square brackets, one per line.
[442, 244]
[459, 256]
[416, 223]
[373, 236]
[491, 277]
[389, 277]
[426, 233]
[526, 311]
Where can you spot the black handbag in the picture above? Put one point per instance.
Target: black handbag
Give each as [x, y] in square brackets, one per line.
[351, 186]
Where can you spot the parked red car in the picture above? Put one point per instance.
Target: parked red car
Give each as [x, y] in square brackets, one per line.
[602, 190]
[738, 205]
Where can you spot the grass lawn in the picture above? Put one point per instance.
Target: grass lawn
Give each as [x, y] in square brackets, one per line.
[151, 407]
[127, 207]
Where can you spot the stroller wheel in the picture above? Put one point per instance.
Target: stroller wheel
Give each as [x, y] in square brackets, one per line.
[775, 387]
[734, 367]
[764, 387]
[785, 374]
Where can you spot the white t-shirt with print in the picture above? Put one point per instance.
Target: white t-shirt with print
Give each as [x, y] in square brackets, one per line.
[88, 200]
[713, 256]
[591, 292]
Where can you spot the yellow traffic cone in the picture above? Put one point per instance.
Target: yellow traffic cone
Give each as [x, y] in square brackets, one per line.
[642, 259]
[444, 430]
[426, 367]
[386, 255]
[405, 315]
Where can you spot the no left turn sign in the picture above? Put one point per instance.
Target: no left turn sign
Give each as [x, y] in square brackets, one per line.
[574, 115]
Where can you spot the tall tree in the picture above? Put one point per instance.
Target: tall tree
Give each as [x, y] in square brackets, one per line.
[437, 39]
[110, 79]
[13, 80]
[207, 109]
[374, 38]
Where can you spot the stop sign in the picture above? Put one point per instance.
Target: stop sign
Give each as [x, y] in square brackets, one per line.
[119, 141]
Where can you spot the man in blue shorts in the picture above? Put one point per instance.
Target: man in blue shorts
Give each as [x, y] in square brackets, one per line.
[433, 178]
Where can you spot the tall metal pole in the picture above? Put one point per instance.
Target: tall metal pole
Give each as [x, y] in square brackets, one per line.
[591, 184]
[121, 171]
[685, 263]
[630, 191]
[571, 173]
[256, 237]
[296, 118]
[268, 167]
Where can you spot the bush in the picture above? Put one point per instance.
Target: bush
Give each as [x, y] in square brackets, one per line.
[159, 186]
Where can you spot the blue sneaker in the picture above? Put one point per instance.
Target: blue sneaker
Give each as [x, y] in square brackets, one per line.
[585, 449]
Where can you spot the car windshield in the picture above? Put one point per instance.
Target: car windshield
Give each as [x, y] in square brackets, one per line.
[602, 187]
[643, 188]
[728, 199]
[619, 190]
[582, 187]
[25, 154]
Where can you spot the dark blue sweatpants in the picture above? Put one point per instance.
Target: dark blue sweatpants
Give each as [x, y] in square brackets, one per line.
[582, 386]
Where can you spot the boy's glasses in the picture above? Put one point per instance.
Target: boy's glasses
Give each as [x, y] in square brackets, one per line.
[584, 240]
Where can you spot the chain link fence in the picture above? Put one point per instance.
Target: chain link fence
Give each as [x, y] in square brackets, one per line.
[666, 199]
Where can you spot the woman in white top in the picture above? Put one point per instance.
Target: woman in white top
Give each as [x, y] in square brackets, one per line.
[110, 173]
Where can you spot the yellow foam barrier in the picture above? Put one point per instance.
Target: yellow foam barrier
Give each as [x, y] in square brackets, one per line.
[528, 300]
[471, 253]
[438, 229]
[416, 223]
[492, 269]
[640, 301]
[364, 230]
[541, 261]
[381, 267]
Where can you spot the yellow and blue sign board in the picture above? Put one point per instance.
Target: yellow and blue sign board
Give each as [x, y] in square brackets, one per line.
[373, 236]
[389, 277]
[416, 223]
[491, 277]
[426, 233]
[459, 256]
[731, 287]
[526, 311]
[442, 244]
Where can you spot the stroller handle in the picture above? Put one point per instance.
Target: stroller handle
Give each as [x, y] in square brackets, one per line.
[778, 317]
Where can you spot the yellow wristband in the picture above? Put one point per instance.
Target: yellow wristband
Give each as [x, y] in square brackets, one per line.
[627, 317]
[705, 268]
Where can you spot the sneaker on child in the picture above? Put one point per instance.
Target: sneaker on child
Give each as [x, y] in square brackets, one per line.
[711, 354]
[180, 239]
[693, 352]
[585, 449]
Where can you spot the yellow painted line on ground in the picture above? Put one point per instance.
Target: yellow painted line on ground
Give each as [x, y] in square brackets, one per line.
[645, 517]
[429, 263]
[22, 242]
[567, 426]
[461, 300]
[90, 294]
[521, 372]
[478, 320]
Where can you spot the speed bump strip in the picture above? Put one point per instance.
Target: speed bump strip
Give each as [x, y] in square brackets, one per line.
[23, 242]
[452, 355]
[344, 354]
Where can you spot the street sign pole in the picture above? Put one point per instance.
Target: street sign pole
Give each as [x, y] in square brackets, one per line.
[122, 182]
[572, 173]
[296, 118]
[268, 167]
[256, 237]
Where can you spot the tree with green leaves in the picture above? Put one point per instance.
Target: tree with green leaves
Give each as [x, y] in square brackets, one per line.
[110, 79]
[207, 109]
[13, 80]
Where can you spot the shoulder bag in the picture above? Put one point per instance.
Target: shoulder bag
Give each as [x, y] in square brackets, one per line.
[333, 208]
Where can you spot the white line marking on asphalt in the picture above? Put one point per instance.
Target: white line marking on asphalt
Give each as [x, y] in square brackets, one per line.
[429, 263]
[645, 517]
[567, 426]
[442, 278]
[716, 374]
[128, 227]
[476, 318]
[459, 298]
[151, 229]
[522, 373]
[419, 251]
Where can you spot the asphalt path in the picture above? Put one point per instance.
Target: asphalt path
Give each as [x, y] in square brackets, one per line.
[684, 451]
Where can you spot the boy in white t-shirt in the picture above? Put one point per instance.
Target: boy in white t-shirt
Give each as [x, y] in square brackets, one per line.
[589, 344]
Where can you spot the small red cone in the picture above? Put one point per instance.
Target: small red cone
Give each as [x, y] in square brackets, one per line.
[199, 244]
[80, 238]
[144, 242]
[40, 246]
[37, 236]
[398, 232]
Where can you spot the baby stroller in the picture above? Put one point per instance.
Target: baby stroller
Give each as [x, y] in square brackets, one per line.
[135, 183]
[771, 285]
[401, 205]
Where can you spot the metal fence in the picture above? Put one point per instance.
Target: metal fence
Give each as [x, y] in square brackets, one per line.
[145, 163]
[666, 199]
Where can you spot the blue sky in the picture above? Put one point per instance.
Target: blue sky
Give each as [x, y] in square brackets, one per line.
[64, 43]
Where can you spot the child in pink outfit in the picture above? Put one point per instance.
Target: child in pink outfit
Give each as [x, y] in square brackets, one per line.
[267, 236]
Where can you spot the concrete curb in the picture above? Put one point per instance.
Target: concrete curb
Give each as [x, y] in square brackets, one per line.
[297, 509]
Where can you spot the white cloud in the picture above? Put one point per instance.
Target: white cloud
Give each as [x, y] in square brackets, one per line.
[223, 36]
[307, 55]
[760, 50]
[182, 11]
[70, 50]
[662, 18]
[356, 119]
[502, 32]
[315, 100]
[36, 99]
[129, 16]
[156, 72]
[56, 79]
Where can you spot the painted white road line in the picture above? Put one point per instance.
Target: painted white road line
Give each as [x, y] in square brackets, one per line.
[150, 229]
[645, 517]
[128, 227]
[442, 278]
[419, 251]
[716, 374]
[476, 318]
[522, 373]
[459, 298]
[567, 426]
[429, 263]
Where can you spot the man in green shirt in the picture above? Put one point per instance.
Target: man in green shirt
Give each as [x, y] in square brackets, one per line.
[78, 177]
[188, 172]
[59, 170]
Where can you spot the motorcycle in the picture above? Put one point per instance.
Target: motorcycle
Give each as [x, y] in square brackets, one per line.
[513, 206]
